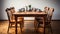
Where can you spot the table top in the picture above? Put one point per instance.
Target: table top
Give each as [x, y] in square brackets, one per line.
[30, 14]
[17, 13]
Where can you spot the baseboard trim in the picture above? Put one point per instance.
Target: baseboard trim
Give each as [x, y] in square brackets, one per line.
[3, 20]
[55, 20]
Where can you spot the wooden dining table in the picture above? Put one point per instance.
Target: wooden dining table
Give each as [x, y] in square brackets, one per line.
[30, 14]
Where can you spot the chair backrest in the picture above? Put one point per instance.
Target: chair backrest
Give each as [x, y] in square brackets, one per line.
[10, 12]
[46, 9]
[12, 9]
[50, 13]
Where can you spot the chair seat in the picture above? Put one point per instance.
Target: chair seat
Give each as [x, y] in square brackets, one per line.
[39, 18]
[19, 20]
[46, 22]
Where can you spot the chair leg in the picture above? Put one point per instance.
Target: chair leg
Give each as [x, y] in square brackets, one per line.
[22, 24]
[8, 28]
[38, 25]
[21, 27]
[35, 25]
[51, 29]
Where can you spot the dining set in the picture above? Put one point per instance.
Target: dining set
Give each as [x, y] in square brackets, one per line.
[17, 17]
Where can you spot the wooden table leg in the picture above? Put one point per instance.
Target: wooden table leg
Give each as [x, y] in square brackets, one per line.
[35, 25]
[16, 25]
[44, 24]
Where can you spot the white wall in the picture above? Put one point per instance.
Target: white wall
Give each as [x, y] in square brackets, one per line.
[35, 3]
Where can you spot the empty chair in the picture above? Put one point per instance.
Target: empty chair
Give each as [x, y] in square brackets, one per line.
[39, 19]
[48, 18]
[11, 18]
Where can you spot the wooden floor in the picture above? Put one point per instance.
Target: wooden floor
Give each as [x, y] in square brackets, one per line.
[29, 28]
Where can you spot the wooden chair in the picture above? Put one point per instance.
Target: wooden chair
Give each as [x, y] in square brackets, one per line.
[39, 19]
[48, 18]
[11, 18]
